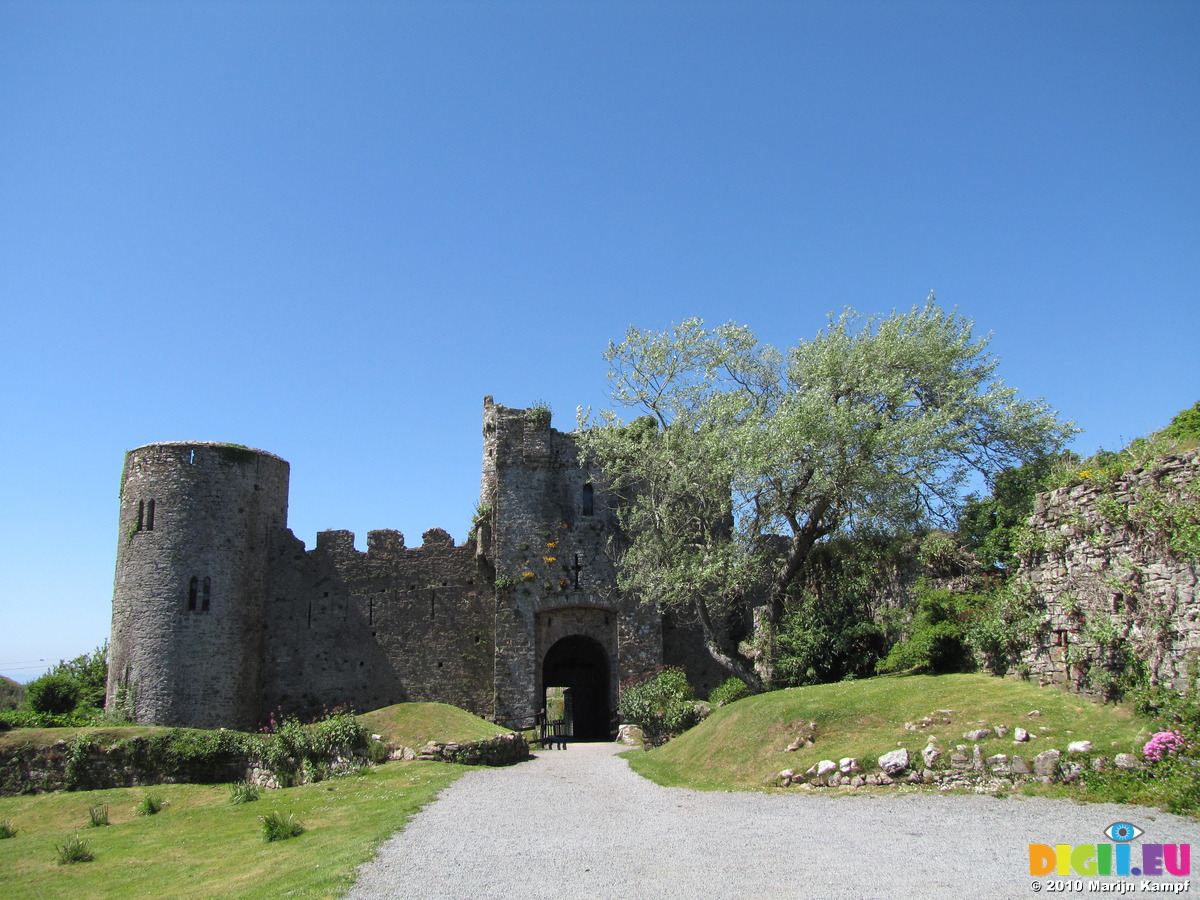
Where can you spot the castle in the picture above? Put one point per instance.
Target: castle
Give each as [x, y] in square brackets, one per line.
[221, 616]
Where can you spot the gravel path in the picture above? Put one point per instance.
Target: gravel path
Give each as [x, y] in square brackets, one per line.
[579, 823]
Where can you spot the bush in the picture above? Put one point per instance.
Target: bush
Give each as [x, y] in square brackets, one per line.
[73, 851]
[660, 704]
[277, 827]
[54, 694]
[728, 691]
[242, 792]
[151, 805]
[937, 641]
[75, 686]
[6, 829]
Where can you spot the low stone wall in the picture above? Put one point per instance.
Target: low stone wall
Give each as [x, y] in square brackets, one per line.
[85, 766]
[967, 768]
[501, 750]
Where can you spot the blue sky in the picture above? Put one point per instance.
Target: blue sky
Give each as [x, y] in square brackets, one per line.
[328, 230]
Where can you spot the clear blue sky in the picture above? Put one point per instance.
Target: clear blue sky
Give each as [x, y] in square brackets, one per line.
[328, 229]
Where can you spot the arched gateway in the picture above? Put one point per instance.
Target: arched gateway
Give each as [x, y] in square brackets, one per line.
[581, 666]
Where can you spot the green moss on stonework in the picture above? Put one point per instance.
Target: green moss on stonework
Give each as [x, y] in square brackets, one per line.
[235, 454]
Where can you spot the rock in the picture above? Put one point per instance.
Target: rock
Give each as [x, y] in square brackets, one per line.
[1099, 764]
[1126, 761]
[630, 735]
[1033, 714]
[787, 773]
[1019, 765]
[1079, 747]
[812, 770]
[847, 764]
[857, 781]
[976, 758]
[895, 762]
[1045, 763]
[825, 766]
[930, 755]
[1020, 735]
[999, 764]
[1001, 730]
[1070, 771]
[979, 734]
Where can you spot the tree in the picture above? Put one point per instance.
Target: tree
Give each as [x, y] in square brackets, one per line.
[752, 457]
[77, 684]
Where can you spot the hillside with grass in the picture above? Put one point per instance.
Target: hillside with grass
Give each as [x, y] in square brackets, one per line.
[415, 724]
[741, 746]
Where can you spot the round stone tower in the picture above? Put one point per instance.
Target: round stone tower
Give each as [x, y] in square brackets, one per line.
[190, 594]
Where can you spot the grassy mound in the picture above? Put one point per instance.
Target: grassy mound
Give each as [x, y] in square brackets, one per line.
[415, 724]
[743, 744]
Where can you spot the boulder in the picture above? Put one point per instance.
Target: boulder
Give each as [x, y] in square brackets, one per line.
[825, 767]
[999, 764]
[1079, 747]
[847, 764]
[1045, 764]
[895, 762]
[1020, 735]
[630, 735]
[979, 734]
[1019, 765]
[930, 755]
[1126, 761]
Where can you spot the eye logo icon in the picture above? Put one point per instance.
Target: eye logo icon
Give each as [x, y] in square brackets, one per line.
[1122, 832]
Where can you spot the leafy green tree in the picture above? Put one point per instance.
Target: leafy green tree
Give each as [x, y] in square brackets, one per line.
[988, 526]
[757, 456]
[83, 678]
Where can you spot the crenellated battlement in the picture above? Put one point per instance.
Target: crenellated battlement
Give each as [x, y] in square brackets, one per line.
[220, 615]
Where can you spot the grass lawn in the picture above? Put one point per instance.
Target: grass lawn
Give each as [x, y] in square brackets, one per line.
[741, 745]
[202, 846]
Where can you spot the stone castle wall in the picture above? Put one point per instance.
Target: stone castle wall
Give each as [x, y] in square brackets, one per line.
[222, 617]
[1113, 587]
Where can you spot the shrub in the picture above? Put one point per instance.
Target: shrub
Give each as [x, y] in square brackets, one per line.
[151, 804]
[660, 704]
[242, 792]
[70, 686]
[73, 851]
[277, 827]
[728, 691]
[6, 829]
[937, 641]
[55, 694]
[1163, 744]
[98, 815]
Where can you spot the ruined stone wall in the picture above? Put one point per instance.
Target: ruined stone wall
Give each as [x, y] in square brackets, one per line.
[386, 626]
[1108, 566]
[198, 522]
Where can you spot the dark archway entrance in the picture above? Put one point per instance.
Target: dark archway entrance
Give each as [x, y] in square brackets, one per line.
[580, 663]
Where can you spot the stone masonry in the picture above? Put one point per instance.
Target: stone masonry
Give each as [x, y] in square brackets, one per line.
[1111, 586]
[222, 616]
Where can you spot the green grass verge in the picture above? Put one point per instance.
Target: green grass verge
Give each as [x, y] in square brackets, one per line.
[740, 746]
[415, 724]
[201, 846]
